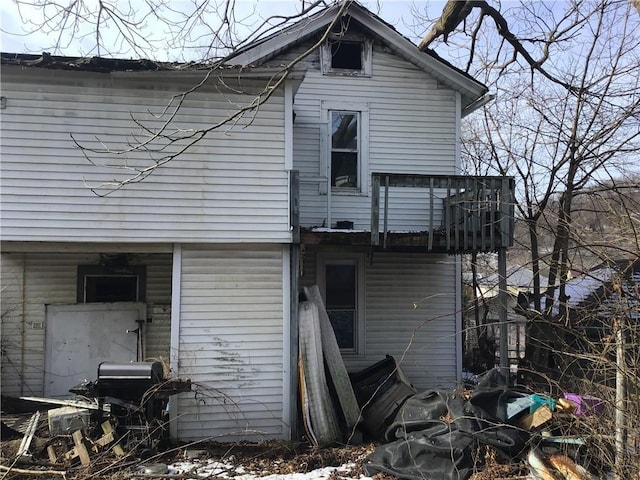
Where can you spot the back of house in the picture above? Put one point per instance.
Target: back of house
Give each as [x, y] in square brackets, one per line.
[346, 176]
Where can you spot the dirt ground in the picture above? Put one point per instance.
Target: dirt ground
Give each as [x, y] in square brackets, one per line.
[257, 460]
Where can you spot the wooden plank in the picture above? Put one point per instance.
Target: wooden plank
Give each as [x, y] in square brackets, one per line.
[537, 418]
[23, 471]
[107, 429]
[81, 450]
[53, 458]
[104, 440]
[28, 436]
[335, 365]
[322, 415]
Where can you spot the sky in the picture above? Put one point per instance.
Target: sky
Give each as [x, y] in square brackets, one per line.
[248, 12]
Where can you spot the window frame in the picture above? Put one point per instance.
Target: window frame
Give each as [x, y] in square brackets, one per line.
[362, 109]
[358, 260]
[85, 271]
[366, 50]
[357, 150]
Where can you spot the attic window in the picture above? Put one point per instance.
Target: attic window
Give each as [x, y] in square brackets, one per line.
[347, 55]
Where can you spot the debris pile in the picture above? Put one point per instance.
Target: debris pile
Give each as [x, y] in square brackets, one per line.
[448, 435]
[453, 435]
[123, 414]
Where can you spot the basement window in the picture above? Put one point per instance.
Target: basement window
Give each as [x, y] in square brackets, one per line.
[100, 284]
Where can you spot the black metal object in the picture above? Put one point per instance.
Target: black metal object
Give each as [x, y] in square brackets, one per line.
[138, 395]
[127, 381]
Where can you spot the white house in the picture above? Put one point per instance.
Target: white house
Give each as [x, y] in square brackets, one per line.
[346, 177]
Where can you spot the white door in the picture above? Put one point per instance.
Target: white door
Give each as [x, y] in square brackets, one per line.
[79, 337]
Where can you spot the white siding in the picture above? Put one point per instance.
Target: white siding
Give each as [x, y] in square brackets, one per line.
[232, 186]
[410, 314]
[32, 280]
[412, 129]
[231, 343]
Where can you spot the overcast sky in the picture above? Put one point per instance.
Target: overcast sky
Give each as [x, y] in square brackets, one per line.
[397, 12]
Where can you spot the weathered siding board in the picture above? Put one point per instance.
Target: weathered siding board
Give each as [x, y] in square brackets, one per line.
[51, 278]
[231, 346]
[230, 187]
[412, 125]
[407, 294]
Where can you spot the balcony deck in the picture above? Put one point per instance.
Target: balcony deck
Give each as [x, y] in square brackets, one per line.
[465, 214]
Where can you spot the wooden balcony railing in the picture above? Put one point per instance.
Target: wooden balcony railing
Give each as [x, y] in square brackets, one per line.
[465, 213]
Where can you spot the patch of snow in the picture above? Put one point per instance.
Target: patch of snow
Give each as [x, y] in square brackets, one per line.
[336, 230]
[212, 468]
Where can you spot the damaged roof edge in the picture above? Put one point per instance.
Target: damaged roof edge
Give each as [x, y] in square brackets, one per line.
[116, 66]
[147, 70]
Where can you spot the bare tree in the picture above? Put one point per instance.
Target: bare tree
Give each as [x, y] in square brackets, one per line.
[202, 30]
[572, 146]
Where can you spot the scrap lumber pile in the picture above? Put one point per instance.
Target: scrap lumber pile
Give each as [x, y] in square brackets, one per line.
[122, 414]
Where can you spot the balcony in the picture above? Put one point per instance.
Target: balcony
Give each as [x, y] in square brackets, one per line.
[447, 214]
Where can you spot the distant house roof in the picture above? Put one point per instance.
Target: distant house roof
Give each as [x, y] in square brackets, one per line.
[590, 289]
[262, 50]
[519, 279]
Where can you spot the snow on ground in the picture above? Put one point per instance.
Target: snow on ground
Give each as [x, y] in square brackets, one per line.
[211, 468]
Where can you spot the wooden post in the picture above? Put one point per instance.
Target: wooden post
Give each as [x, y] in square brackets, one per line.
[294, 266]
[107, 429]
[375, 210]
[621, 394]
[502, 300]
[80, 449]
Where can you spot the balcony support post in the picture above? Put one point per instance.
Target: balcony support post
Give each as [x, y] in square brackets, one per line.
[375, 210]
[502, 297]
[386, 211]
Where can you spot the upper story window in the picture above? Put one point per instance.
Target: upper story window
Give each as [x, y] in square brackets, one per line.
[345, 150]
[344, 156]
[347, 55]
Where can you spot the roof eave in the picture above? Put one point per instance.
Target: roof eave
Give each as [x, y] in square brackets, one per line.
[470, 89]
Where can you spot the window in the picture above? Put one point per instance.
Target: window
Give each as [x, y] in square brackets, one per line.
[347, 55]
[101, 284]
[345, 147]
[342, 280]
[344, 156]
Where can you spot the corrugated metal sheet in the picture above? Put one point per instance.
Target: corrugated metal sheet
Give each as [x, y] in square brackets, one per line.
[231, 342]
[412, 129]
[410, 314]
[231, 186]
[51, 278]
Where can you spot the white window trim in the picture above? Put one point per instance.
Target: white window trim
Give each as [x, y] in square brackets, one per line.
[366, 56]
[363, 139]
[358, 260]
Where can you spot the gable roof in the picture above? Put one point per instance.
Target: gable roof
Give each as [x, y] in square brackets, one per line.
[473, 93]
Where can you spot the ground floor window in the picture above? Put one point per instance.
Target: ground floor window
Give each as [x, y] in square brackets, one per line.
[342, 282]
[102, 284]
